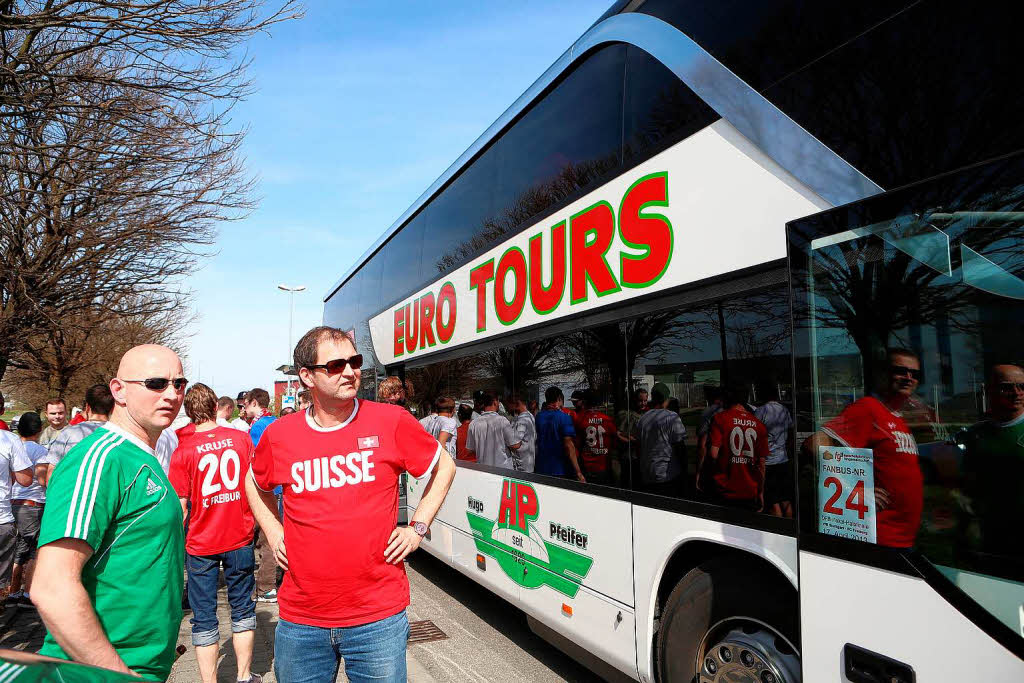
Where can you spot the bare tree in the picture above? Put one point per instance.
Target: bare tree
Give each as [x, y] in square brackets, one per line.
[120, 157]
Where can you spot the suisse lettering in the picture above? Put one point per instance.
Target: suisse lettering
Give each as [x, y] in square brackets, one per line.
[327, 472]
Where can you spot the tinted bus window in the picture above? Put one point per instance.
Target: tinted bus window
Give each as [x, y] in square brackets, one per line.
[911, 376]
[403, 262]
[905, 101]
[567, 141]
[658, 108]
[764, 41]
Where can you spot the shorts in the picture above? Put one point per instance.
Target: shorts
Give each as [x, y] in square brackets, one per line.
[8, 543]
[27, 518]
[203, 571]
[778, 483]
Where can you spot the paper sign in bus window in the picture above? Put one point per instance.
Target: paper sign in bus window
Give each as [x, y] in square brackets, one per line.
[846, 493]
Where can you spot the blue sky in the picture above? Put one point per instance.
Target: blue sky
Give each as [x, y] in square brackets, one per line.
[360, 107]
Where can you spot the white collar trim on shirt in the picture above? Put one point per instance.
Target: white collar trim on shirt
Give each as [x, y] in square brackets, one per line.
[315, 427]
[131, 437]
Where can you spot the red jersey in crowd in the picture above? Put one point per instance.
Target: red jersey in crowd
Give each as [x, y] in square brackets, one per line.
[461, 434]
[340, 507]
[209, 469]
[742, 440]
[79, 417]
[596, 432]
[867, 423]
[4, 427]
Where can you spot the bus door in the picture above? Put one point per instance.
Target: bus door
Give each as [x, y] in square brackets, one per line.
[909, 377]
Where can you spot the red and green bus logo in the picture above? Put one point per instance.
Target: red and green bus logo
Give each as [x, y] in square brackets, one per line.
[516, 544]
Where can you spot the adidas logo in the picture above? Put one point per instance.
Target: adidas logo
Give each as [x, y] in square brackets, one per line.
[152, 487]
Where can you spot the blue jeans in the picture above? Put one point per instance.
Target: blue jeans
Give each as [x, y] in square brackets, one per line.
[202, 592]
[312, 654]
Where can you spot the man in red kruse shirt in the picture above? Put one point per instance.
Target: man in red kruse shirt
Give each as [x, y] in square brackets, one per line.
[734, 469]
[208, 469]
[345, 590]
[875, 422]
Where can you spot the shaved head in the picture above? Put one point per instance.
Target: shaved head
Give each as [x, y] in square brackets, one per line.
[141, 410]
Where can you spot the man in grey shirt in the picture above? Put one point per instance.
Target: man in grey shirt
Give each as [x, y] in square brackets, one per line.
[99, 403]
[778, 488]
[491, 437]
[525, 428]
[662, 454]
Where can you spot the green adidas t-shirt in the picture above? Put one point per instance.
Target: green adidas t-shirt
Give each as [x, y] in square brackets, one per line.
[66, 672]
[111, 492]
[994, 468]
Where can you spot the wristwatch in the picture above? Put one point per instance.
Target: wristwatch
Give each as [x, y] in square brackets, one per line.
[420, 528]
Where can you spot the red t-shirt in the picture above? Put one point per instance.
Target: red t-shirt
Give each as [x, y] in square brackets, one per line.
[3, 426]
[867, 423]
[209, 469]
[340, 507]
[742, 441]
[80, 417]
[460, 443]
[596, 432]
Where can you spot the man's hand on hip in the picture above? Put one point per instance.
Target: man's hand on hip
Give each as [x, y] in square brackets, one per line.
[403, 541]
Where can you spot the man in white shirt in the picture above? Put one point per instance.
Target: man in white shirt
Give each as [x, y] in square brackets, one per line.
[491, 437]
[525, 427]
[441, 425]
[240, 422]
[225, 409]
[57, 416]
[27, 505]
[13, 460]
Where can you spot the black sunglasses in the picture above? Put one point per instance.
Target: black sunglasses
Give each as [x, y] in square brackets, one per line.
[337, 366]
[160, 383]
[904, 370]
[1011, 387]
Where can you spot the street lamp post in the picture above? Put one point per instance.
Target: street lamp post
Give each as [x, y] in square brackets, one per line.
[291, 315]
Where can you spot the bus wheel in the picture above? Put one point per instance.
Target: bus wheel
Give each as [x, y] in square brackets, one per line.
[728, 623]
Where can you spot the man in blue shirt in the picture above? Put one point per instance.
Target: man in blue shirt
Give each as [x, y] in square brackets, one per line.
[556, 452]
[257, 411]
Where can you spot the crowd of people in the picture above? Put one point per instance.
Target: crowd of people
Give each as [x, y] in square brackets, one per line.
[130, 515]
[741, 459]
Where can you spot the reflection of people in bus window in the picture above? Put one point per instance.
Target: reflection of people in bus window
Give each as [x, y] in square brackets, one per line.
[556, 452]
[875, 422]
[778, 478]
[596, 432]
[994, 464]
[713, 396]
[491, 437]
[465, 415]
[738, 448]
[662, 448]
[525, 427]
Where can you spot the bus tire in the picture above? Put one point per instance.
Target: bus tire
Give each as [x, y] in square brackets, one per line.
[721, 604]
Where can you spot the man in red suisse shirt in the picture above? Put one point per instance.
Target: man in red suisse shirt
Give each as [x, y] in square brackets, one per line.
[345, 590]
[208, 469]
[875, 422]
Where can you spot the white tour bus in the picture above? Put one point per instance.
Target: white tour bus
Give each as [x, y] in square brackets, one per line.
[810, 206]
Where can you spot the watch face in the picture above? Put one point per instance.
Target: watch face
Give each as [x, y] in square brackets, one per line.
[420, 528]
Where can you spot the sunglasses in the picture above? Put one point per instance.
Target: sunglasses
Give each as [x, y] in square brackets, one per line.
[337, 366]
[1011, 387]
[903, 370]
[159, 383]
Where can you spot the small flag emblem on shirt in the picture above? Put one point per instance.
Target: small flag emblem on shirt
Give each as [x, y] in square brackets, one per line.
[369, 442]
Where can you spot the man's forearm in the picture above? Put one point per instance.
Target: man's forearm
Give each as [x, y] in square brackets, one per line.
[70, 618]
[264, 508]
[573, 458]
[435, 491]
